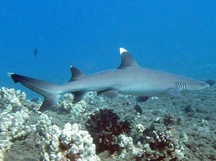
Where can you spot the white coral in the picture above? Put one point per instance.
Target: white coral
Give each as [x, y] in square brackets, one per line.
[76, 142]
[140, 128]
[10, 96]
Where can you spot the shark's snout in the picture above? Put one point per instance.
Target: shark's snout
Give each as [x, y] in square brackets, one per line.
[205, 85]
[200, 86]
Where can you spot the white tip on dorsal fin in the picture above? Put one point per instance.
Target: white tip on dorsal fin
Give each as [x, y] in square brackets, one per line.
[10, 74]
[122, 50]
[126, 60]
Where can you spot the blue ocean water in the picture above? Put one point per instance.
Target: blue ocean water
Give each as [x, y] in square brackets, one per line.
[175, 36]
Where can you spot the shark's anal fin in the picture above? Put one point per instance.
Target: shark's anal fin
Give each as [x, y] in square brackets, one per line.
[174, 92]
[110, 93]
[78, 96]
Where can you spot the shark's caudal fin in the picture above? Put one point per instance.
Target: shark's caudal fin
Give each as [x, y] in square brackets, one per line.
[50, 91]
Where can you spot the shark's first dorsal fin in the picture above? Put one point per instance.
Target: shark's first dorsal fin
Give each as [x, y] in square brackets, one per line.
[76, 73]
[127, 60]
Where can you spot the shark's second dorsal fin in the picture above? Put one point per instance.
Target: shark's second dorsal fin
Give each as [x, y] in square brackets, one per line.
[76, 73]
[127, 60]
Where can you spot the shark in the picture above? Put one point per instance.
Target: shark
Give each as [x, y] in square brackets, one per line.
[128, 79]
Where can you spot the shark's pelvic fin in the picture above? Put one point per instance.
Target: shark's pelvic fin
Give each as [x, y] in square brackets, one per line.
[110, 93]
[127, 60]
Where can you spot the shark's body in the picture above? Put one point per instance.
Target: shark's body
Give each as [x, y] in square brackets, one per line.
[129, 78]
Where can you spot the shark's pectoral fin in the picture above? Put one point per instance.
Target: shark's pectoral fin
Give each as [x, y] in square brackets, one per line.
[142, 98]
[109, 93]
[174, 92]
[78, 96]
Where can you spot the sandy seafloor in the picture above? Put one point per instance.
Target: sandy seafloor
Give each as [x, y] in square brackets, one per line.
[195, 115]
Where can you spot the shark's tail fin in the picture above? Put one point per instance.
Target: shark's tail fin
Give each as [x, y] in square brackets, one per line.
[50, 91]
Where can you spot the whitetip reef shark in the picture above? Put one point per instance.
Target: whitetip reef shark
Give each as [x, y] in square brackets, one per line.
[128, 79]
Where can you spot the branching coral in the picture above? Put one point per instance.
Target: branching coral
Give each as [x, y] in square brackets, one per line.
[105, 127]
[163, 144]
[156, 143]
[12, 98]
[170, 120]
[69, 144]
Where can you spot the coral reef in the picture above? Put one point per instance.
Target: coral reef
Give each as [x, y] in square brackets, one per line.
[77, 131]
[155, 144]
[169, 120]
[105, 127]
[13, 116]
[164, 143]
[71, 144]
[78, 142]
[11, 99]
[13, 119]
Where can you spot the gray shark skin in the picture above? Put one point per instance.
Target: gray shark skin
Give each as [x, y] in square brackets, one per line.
[129, 79]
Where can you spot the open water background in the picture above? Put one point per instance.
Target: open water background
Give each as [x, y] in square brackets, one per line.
[174, 36]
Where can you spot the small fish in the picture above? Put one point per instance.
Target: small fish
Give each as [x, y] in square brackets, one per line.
[35, 52]
[138, 109]
[36, 99]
